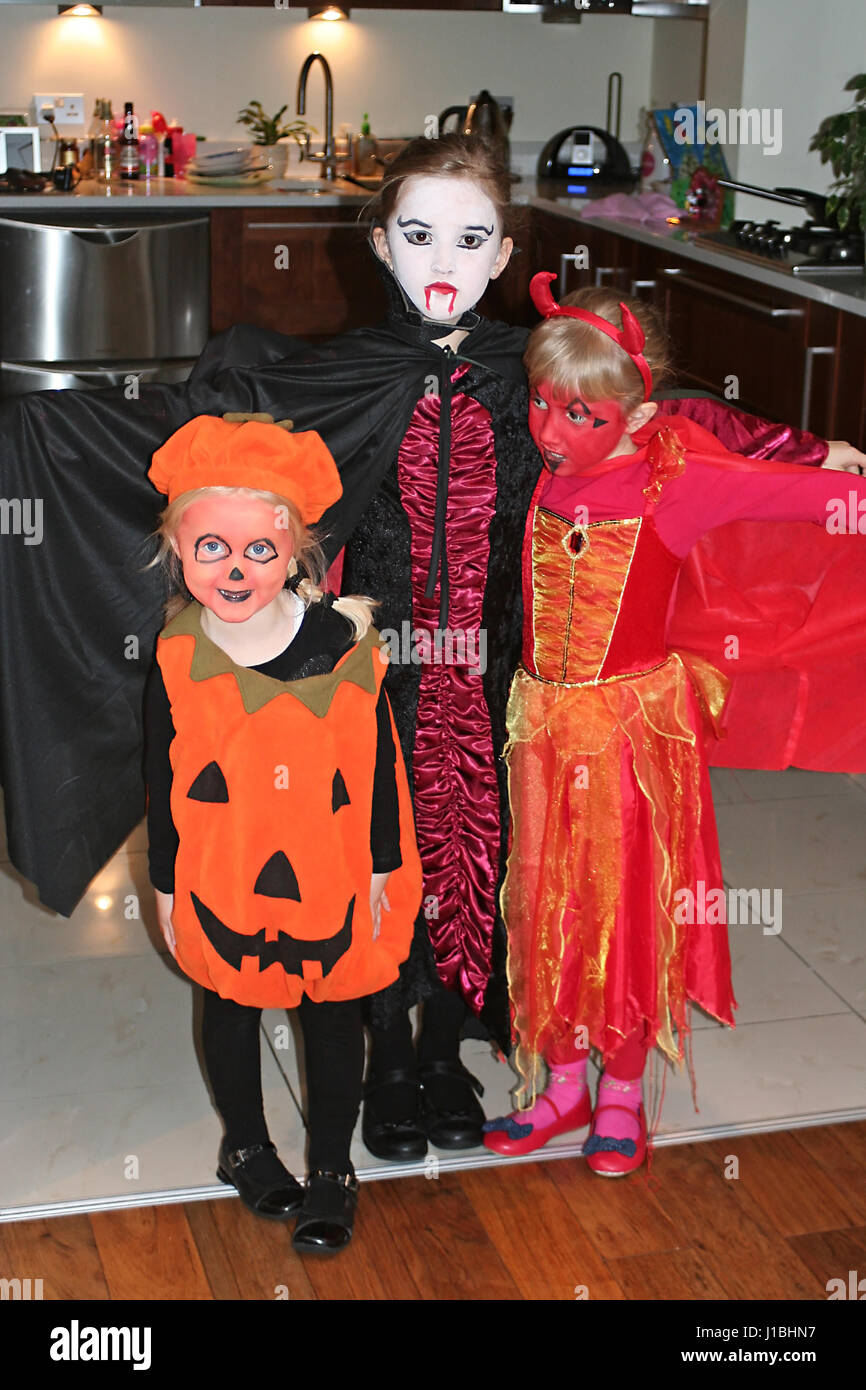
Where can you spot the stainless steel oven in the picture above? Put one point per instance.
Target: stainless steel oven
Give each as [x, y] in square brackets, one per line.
[91, 301]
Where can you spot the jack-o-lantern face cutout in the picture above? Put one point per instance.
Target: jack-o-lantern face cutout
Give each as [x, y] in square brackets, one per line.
[272, 801]
[276, 879]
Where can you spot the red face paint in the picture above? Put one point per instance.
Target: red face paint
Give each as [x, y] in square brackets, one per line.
[574, 434]
[234, 554]
[440, 287]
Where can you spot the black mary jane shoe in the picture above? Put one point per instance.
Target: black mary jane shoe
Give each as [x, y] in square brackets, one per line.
[451, 1116]
[328, 1214]
[264, 1185]
[393, 1140]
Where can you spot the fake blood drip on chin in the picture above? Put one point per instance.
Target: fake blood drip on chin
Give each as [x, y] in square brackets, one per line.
[440, 288]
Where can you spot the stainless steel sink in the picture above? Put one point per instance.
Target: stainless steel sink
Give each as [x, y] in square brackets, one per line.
[314, 188]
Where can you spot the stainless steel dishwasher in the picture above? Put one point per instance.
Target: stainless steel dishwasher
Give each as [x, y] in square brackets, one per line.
[99, 300]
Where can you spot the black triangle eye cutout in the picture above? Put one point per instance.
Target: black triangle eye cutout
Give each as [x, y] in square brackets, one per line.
[278, 879]
[210, 785]
[339, 795]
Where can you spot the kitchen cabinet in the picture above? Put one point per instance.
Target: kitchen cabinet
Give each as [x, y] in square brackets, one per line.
[849, 417]
[580, 253]
[763, 348]
[304, 271]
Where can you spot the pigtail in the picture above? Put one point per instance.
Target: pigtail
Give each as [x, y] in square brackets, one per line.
[355, 608]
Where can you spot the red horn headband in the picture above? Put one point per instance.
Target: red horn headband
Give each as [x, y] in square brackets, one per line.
[630, 337]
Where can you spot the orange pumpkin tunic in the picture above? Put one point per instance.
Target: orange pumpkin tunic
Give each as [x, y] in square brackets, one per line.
[272, 785]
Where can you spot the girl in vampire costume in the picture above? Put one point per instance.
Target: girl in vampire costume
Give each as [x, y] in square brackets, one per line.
[426, 416]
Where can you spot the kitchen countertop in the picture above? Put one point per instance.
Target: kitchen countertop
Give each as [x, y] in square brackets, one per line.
[176, 194]
[844, 292]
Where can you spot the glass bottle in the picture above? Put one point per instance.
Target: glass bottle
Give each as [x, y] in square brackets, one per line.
[129, 161]
[103, 147]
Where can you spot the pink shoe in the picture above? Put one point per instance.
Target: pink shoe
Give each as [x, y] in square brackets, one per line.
[510, 1135]
[613, 1158]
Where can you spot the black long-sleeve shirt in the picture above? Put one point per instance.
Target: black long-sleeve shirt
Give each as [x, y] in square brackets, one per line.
[323, 637]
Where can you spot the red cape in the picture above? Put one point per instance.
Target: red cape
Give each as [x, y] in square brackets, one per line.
[795, 597]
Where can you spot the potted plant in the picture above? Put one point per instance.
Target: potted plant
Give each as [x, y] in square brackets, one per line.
[841, 141]
[268, 130]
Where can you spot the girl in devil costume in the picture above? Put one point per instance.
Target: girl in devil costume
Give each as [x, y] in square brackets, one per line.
[278, 807]
[614, 837]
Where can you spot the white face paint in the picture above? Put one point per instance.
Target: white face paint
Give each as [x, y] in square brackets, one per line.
[444, 244]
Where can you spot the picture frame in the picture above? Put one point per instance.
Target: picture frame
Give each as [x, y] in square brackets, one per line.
[20, 149]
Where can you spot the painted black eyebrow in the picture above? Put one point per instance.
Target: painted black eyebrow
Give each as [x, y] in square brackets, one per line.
[409, 220]
[480, 228]
[584, 408]
[212, 536]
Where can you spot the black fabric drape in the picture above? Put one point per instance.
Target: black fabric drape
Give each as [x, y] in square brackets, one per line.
[79, 612]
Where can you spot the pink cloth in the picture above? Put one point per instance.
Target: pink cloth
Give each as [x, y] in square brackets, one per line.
[456, 790]
[632, 207]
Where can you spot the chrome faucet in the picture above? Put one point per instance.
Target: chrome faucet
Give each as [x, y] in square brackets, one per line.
[327, 155]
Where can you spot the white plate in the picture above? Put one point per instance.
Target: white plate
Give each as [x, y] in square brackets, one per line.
[218, 158]
[235, 166]
[231, 180]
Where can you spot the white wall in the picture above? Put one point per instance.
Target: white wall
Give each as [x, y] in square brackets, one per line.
[676, 69]
[797, 57]
[202, 65]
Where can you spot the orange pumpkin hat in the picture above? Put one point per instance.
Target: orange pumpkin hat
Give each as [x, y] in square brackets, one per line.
[209, 451]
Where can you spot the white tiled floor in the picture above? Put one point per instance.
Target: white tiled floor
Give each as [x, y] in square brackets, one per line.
[102, 1100]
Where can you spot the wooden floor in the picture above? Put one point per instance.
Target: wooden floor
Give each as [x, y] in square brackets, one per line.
[793, 1219]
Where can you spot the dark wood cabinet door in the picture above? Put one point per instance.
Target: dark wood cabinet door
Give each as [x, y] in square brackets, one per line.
[735, 337]
[849, 421]
[302, 271]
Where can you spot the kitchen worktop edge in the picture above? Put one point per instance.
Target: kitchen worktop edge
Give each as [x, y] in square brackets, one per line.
[827, 290]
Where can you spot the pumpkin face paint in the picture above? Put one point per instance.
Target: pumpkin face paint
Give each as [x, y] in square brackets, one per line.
[235, 556]
[574, 434]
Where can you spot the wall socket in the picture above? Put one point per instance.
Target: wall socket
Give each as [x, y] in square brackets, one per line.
[68, 107]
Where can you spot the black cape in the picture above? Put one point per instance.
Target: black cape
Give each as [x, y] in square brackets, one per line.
[80, 612]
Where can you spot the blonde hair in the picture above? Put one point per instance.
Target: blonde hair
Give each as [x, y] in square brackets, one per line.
[576, 358]
[306, 555]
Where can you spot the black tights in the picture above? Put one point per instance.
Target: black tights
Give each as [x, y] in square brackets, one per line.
[442, 1018]
[334, 1048]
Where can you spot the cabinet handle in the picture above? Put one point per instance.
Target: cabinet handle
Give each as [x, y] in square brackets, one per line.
[602, 270]
[282, 226]
[563, 260]
[763, 309]
[642, 285]
[811, 354]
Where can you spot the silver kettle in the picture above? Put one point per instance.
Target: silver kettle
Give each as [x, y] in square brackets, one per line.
[483, 117]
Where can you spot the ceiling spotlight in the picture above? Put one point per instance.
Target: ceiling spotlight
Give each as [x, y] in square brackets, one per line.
[81, 11]
[330, 12]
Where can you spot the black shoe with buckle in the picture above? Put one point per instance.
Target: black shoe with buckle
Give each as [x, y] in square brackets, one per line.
[328, 1214]
[391, 1121]
[451, 1116]
[264, 1184]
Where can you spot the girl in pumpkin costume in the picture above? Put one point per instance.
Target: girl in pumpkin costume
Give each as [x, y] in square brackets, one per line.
[279, 806]
[614, 852]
